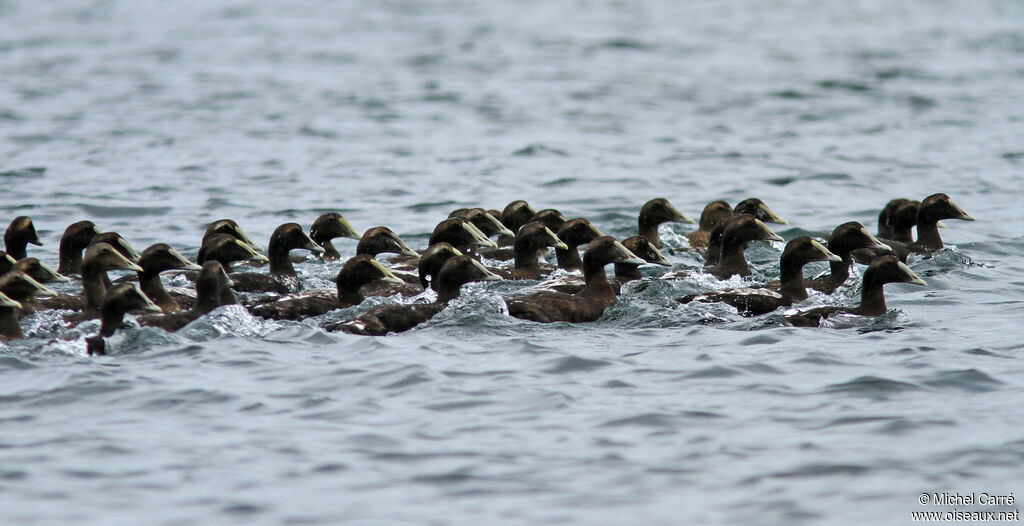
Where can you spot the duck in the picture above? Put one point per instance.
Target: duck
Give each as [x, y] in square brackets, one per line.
[227, 249]
[883, 270]
[531, 240]
[885, 218]
[282, 278]
[39, 271]
[461, 234]
[9, 328]
[213, 290]
[573, 233]
[489, 224]
[231, 228]
[588, 304]
[384, 319]
[118, 242]
[75, 239]
[118, 301]
[645, 250]
[154, 260]
[354, 274]
[896, 221]
[751, 206]
[845, 239]
[514, 216]
[19, 234]
[929, 213]
[430, 263]
[381, 240]
[22, 288]
[714, 214]
[327, 227]
[738, 233]
[655, 212]
[99, 259]
[756, 301]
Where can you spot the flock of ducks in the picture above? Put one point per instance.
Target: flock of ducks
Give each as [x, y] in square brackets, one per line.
[457, 250]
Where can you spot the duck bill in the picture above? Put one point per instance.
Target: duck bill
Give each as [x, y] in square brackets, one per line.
[484, 274]
[182, 263]
[766, 233]
[826, 254]
[40, 289]
[625, 255]
[312, 246]
[770, 215]
[874, 241]
[53, 275]
[8, 302]
[501, 229]
[148, 306]
[124, 264]
[389, 277]
[240, 234]
[347, 230]
[961, 214]
[553, 240]
[658, 258]
[35, 240]
[910, 276]
[7, 257]
[479, 238]
[679, 217]
[402, 248]
[128, 251]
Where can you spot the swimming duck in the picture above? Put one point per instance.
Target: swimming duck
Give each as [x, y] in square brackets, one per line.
[213, 289]
[931, 210]
[76, 238]
[18, 235]
[573, 233]
[589, 303]
[354, 274]
[489, 224]
[20, 287]
[282, 278]
[655, 212]
[514, 216]
[118, 301]
[327, 227]
[751, 206]
[846, 238]
[381, 240]
[226, 250]
[461, 234]
[531, 239]
[154, 260]
[885, 218]
[231, 228]
[99, 259]
[886, 269]
[626, 272]
[740, 231]
[430, 263]
[714, 214]
[39, 271]
[383, 319]
[756, 301]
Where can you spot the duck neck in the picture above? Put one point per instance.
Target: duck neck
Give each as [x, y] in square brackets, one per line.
[527, 264]
[280, 263]
[902, 235]
[151, 286]
[597, 284]
[649, 231]
[330, 253]
[839, 271]
[93, 287]
[350, 296]
[792, 276]
[9, 328]
[111, 320]
[872, 297]
[70, 257]
[16, 249]
[928, 234]
[732, 257]
[569, 259]
[627, 272]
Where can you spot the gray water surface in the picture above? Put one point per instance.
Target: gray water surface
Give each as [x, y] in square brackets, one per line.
[154, 118]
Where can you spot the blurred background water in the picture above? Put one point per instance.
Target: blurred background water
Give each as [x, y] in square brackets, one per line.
[154, 118]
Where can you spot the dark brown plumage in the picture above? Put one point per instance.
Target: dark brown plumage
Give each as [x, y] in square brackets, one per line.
[738, 232]
[573, 233]
[213, 290]
[586, 305]
[886, 269]
[655, 212]
[327, 227]
[20, 232]
[282, 277]
[846, 238]
[75, 239]
[118, 301]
